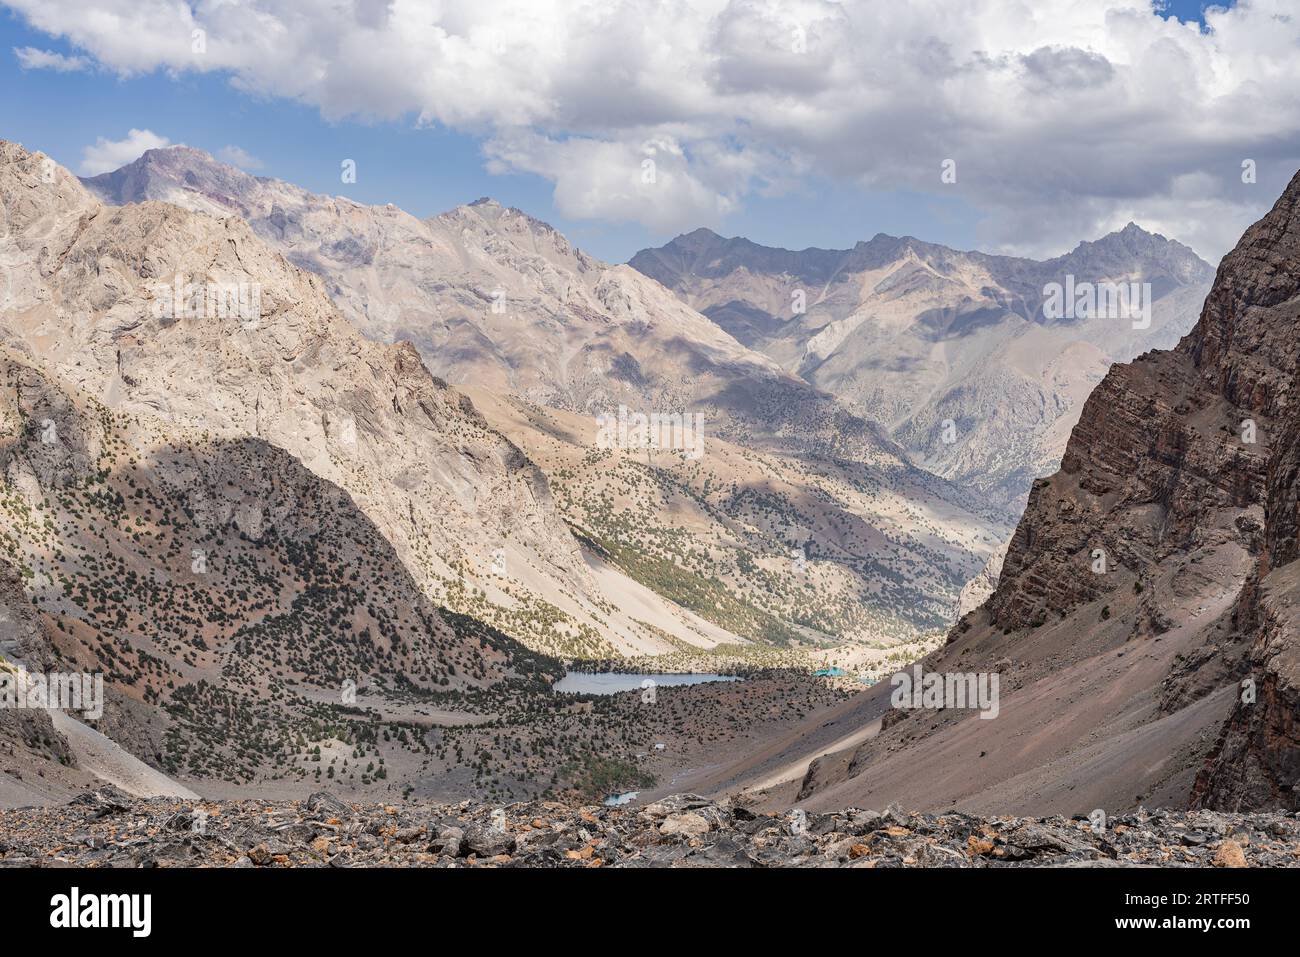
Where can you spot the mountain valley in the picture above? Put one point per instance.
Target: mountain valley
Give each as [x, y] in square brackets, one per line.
[352, 538]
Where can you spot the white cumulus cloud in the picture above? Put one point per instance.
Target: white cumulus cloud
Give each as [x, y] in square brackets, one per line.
[32, 58]
[652, 181]
[106, 155]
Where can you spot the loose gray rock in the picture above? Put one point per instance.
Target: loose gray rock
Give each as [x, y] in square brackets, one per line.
[693, 832]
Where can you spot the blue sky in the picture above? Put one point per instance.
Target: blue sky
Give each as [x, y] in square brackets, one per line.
[815, 194]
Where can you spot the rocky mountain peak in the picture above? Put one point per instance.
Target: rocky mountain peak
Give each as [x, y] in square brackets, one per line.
[1131, 251]
[178, 161]
[700, 240]
[700, 234]
[182, 175]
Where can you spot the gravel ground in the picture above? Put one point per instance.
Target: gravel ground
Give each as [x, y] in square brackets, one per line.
[108, 828]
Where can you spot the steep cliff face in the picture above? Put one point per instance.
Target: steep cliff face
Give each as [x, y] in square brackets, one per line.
[1256, 762]
[1248, 346]
[1155, 467]
[1179, 448]
[1181, 451]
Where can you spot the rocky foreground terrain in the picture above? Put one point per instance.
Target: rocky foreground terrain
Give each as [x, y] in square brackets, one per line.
[107, 828]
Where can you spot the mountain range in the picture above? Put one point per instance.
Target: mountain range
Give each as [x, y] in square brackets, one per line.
[496, 300]
[957, 356]
[391, 476]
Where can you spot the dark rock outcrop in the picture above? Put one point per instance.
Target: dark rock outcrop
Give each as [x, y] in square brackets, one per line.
[1247, 347]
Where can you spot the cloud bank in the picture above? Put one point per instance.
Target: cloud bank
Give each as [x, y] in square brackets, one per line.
[1063, 118]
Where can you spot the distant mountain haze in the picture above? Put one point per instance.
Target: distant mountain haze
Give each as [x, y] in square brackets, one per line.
[948, 352]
